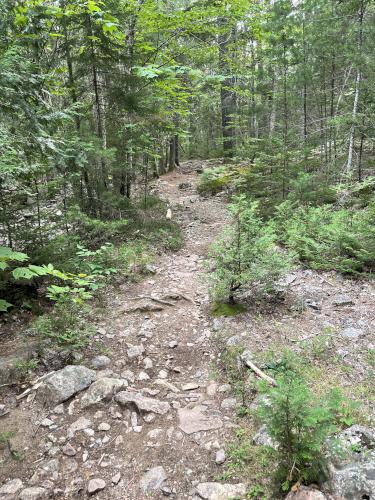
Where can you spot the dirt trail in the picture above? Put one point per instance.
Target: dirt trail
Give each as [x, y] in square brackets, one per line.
[174, 365]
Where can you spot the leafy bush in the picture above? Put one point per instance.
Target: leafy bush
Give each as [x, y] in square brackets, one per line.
[66, 325]
[299, 423]
[246, 254]
[327, 238]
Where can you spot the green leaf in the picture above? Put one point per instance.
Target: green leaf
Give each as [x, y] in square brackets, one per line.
[4, 305]
[23, 273]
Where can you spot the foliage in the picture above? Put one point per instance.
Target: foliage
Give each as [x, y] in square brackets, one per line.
[66, 326]
[246, 254]
[299, 422]
[327, 238]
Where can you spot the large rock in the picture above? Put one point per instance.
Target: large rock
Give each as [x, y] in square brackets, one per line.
[102, 390]
[34, 493]
[195, 419]
[153, 479]
[351, 466]
[127, 398]
[304, 493]
[64, 383]
[218, 491]
[10, 489]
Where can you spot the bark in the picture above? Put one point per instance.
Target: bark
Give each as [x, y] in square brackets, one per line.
[349, 164]
[227, 96]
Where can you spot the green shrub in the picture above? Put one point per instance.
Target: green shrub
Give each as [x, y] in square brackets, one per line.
[66, 326]
[246, 254]
[299, 423]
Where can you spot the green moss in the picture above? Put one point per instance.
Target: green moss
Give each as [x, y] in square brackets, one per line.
[228, 309]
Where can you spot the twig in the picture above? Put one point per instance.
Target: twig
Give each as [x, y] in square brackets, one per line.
[305, 338]
[259, 372]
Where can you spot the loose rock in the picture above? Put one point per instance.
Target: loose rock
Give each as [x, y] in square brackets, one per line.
[95, 485]
[100, 362]
[220, 457]
[10, 489]
[218, 491]
[34, 493]
[153, 479]
[195, 419]
[143, 403]
[101, 390]
[64, 383]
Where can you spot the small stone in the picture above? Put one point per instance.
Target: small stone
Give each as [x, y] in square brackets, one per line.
[153, 479]
[148, 364]
[342, 300]
[143, 376]
[229, 403]
[100, 362]
[224, 388]
[220, 456]
[163, 374]
[154, 434]
[79, 425]
[104, 427]
[191, 386]
[173, 344]
[352, 333]
[116, 478]
[11, 488]
[128, 375]
[33, 493]
[135, 351]
[68, 450]
[218, 491]
[95, 485]
[46, 422]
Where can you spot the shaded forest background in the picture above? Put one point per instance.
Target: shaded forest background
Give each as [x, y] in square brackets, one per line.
[98, 98]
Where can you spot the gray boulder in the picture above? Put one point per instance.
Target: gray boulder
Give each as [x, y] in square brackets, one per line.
[304, 493]
[351, 464]
[101, 390]
[218, 491]
[127, 398]
[63, 384]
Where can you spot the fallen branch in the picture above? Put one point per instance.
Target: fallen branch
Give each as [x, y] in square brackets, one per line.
[246, 358]
[260, 373]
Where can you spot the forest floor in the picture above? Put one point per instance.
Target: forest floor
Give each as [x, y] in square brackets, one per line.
[170, 349]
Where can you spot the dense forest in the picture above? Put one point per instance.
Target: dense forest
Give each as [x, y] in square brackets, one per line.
[269, 107]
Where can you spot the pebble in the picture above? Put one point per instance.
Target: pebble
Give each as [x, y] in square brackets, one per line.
[95, 485]
[69, 451]
[148, 364]
[11, 488]
[116, 478]
[143, 376]
[173, 344]
[220, 456]
[163, 374]
[135, 351]
[191, 386]
[99, 362]
[104, 427]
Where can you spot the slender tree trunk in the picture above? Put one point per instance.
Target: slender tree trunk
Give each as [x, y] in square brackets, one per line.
[226, 94]
[349, 164]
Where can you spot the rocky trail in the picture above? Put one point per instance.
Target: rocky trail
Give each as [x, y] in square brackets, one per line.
[145, 417]
[150, 418]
